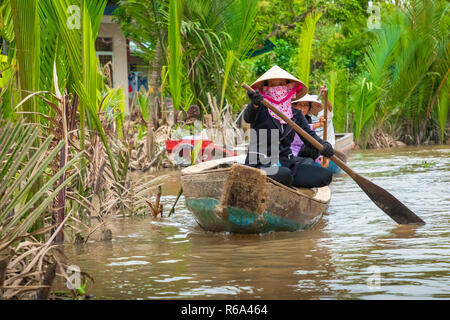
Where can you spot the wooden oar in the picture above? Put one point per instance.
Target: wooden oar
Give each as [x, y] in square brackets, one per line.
[325, 127]
[340, 155]
[383, 199]
[337, 152]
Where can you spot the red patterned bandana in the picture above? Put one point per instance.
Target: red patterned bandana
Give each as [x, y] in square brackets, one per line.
[280, 97]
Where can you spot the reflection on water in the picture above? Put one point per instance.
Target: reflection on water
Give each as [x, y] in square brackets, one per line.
[175, 259]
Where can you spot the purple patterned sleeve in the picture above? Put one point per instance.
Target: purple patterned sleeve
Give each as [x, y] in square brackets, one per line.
[296, 145]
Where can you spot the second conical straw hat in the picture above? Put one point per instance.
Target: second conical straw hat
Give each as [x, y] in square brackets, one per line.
[278, 73]
[316, 104]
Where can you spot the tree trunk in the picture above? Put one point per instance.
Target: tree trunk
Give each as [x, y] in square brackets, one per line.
[154, 88]
[61, 200]
[149, 141]
[49, 277]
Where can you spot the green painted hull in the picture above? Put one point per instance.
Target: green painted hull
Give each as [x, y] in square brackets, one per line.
[231, 197]
[240, 220]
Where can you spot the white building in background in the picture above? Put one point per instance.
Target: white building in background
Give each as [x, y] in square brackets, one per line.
[128, 72]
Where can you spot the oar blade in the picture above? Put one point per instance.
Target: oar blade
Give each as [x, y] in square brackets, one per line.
[340, 155]
[388, 203]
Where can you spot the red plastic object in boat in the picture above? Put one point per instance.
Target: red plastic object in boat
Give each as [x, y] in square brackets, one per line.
[183, 148]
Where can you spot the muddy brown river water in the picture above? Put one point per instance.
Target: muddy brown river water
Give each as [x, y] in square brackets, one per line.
[355, 251]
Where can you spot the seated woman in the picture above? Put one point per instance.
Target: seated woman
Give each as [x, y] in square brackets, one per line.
[312, 109]
[309, 105]
[279, 87]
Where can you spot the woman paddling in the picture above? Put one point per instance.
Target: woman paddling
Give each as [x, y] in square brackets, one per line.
[280, 87]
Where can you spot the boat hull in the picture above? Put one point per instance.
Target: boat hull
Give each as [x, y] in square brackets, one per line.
[237, 201]
[240, 220]
[344, 142]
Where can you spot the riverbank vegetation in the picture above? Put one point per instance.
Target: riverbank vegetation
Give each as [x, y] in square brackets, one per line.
[64, 155]
[67, 144]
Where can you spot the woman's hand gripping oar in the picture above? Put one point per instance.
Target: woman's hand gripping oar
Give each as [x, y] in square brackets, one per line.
[383, 199]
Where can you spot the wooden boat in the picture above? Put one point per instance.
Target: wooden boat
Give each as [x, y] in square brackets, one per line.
[225, 195]
[344, 143]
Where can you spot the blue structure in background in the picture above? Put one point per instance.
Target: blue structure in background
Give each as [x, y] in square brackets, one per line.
[136, 81]
[267, 46]
[109, 10]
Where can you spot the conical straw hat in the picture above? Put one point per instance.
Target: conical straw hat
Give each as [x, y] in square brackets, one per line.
[316, 105]
[277, 73]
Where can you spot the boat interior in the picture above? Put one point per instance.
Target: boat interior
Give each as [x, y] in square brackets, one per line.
[321, 194]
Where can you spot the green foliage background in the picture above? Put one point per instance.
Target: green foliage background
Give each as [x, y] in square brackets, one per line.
[393, 89]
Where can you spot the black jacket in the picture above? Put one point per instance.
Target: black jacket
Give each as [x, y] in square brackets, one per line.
[260, 119]
[308, 118]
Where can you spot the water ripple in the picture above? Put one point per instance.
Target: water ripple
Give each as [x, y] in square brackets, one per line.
[173, 258]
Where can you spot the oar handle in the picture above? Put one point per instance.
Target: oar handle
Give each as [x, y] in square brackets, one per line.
[325, 162]
[316, 144]
[325, 115]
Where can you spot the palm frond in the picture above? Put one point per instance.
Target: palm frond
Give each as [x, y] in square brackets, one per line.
[18, 208]
[114, 103]
[305, 46]
[6, 25]
[175, 51]
[79, 45]
[25, 16]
